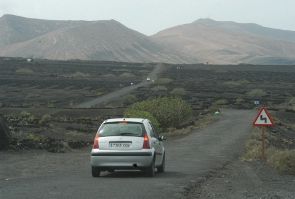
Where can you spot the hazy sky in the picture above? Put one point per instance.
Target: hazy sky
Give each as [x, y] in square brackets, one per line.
[151, 16]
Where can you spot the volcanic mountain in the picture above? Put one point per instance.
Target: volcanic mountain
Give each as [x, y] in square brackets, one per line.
[229, 42]
[106, 40]
[205, 41]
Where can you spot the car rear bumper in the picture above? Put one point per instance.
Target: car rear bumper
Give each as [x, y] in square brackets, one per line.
[121, 160]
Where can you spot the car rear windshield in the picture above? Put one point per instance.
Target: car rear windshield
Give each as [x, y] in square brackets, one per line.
[122, 129]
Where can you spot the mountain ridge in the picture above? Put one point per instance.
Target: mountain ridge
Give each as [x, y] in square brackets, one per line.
[228, 42]
[204, 40]
[106, 40]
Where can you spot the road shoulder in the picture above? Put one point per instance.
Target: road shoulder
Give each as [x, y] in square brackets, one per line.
[244, 180]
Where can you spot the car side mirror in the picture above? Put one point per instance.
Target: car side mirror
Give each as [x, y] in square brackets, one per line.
[162, 138]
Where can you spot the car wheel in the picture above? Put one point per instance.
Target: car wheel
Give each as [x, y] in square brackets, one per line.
[161, 168]
[95, 172]
[151, 170]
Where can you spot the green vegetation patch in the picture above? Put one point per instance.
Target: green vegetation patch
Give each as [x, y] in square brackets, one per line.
[131, 113]
[168, 111]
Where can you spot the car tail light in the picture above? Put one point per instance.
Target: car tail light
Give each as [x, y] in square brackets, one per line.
[146, 142]
[96, 140]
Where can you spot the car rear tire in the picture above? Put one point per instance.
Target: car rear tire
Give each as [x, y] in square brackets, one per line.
[95, 172]
[150, 171]
[161, 168]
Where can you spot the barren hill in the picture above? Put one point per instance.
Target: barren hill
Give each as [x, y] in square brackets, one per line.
[204, 40]
[88, 40]
[15, 29]
[229, 42]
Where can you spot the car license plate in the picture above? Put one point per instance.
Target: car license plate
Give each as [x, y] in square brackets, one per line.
[119, 145]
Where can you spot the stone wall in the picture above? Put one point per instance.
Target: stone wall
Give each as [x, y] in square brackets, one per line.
[4, 134]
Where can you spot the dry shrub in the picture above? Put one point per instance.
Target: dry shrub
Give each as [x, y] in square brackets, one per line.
[159, 88]
[109, 76]
[256, 93]
[221, 102]
[45, 119]
[178, 92]
[282, 160]
[240, 100]
[254, 146]
[205, 121]
[80, 75]
[253, 150]
[236, 83]
[255, 134]
[163, 81]
[179, 132]
[127, 75]
[291, 104]
[24, 71]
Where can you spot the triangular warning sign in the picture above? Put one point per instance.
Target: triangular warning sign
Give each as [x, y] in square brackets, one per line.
[263, 118]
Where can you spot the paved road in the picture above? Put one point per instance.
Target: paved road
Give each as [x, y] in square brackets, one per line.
[118, 93]
[47, 175]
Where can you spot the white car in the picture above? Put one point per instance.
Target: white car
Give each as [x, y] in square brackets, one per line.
[127, 143]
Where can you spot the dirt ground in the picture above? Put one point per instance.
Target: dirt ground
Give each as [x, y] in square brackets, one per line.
[210, 170]
[30, 92]
[40, 174]
[244, 180]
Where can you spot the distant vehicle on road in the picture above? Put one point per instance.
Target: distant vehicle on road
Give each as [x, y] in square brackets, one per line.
[127, 143]
[148, 79]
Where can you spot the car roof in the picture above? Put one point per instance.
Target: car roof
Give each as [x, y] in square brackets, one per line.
[139, 120]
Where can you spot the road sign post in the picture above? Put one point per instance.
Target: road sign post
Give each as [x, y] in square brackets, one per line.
[263, 144]
[263, 119]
